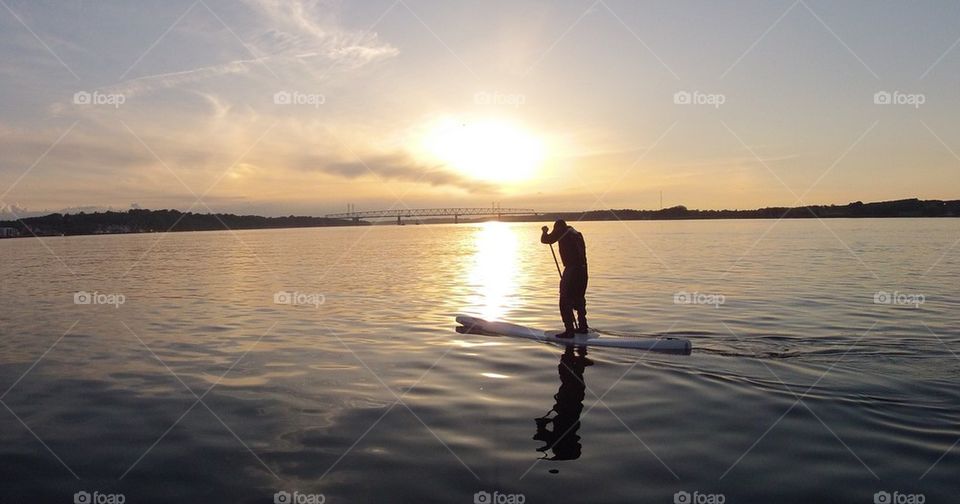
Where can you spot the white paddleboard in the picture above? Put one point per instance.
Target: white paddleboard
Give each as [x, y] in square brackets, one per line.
[480, 326]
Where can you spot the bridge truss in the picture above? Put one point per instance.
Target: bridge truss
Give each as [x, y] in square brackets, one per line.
[419, 213]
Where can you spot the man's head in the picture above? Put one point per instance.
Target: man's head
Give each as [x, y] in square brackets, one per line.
[560, 225]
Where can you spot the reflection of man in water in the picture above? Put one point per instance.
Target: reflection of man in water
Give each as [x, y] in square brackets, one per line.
[563, 440]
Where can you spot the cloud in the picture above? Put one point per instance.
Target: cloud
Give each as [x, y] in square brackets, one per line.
[15, 211]
[12, 211]
[90, 152]
[149, 83]
[304, 30]
[394, 167]
[289, 34]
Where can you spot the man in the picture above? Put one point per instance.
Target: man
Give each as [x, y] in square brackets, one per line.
[573, 281]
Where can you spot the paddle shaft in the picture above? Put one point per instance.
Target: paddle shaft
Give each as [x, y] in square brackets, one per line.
[555, 260]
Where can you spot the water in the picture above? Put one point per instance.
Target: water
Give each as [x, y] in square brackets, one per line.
[200, 388]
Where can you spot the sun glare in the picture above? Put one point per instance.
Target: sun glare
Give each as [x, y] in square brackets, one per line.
[494, 274]
[491, 150]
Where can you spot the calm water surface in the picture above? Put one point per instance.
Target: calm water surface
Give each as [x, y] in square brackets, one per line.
[201, 388]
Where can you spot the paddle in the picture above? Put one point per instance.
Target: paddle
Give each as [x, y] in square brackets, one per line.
[555, 260]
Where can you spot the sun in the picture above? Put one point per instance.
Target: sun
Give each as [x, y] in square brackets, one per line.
[490, 150]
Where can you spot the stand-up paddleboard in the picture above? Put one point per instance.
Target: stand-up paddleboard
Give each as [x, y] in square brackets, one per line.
[480, 326]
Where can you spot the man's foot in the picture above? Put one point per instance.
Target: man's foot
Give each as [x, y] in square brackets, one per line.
[582, 330]
[568, 334]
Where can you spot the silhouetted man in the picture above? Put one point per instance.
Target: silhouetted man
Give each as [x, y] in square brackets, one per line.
[573, 281]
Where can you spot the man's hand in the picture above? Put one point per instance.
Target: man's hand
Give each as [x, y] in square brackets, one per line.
[545, 229]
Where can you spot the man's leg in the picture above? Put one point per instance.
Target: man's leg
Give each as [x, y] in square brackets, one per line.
[566, 314]
[566, 306]
[582, 326]
[580, 302]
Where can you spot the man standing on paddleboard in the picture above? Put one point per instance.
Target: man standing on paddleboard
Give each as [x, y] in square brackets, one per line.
[573, 280]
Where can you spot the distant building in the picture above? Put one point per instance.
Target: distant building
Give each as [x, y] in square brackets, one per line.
[8, 232]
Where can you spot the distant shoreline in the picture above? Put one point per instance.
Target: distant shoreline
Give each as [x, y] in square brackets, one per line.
[153, 221]
[908, 208]
[158, 221]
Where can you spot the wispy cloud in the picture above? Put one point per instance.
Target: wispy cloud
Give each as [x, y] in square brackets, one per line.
[310, 26]
[292, 35]
[149, 83]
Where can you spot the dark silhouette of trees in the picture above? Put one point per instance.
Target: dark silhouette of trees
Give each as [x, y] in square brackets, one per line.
[150, 221]
[900, 208]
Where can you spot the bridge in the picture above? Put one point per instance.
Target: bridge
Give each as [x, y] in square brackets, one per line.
[418, 213]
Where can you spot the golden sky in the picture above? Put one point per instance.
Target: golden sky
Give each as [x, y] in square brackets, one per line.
[298, 107]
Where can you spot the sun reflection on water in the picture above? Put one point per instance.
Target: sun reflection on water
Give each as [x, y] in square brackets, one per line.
[494, 274]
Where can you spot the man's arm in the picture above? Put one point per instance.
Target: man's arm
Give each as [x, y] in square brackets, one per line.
[547, 237]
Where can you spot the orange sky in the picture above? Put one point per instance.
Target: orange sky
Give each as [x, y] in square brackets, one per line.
[302, 107]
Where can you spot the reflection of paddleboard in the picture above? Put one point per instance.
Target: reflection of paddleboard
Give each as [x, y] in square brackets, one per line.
[480, 326]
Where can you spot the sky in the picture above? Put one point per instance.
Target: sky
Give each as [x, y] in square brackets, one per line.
[280, 107]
